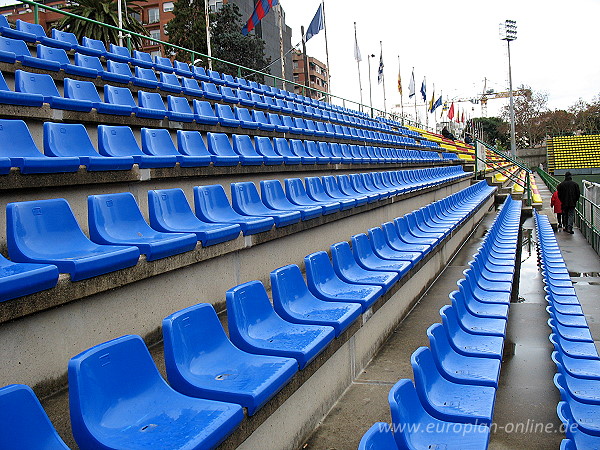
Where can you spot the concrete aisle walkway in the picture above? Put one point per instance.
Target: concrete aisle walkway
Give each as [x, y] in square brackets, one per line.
[365, 401]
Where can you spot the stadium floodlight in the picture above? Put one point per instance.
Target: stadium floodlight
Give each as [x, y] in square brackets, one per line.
[508, 33]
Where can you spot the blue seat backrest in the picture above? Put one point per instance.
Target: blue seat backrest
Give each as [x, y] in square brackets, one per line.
[81, 90]
[152, 100]
[119, 50]
[94, 44]
[33, 28]
[67, 139]
[179, 104]
[116, 140]
[158, 142]
[35, 83]
[16, 46]
[64, 36]
[219, 144]
[142, 56]
[163, 63]
[118, 67]
[118, 96]
[25, 424]
[91, 62]
[17, 131]
[53, 54]
[191, 143]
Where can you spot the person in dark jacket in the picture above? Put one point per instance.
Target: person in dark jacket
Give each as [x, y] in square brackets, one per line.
[446, 133]
[568, 194]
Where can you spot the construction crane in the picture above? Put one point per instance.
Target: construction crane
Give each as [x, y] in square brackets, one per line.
[489, 94]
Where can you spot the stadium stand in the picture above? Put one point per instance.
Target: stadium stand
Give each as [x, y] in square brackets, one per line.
[113, 149]
[573, 152]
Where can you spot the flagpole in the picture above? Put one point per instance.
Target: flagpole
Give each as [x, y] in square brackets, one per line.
[416, 114]
[209, 52]
[401, 97]
[382, 77]
[358, 67]
[326, 49]
[282, 56]
[425, 101]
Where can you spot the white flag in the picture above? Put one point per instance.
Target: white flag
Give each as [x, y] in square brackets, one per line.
[411, 85]
[357, 56]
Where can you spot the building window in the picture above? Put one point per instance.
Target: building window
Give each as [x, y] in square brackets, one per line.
[168, 6]
[155, 34]
[296, 78]
[136, 16]
[295, 64]
[153, 15]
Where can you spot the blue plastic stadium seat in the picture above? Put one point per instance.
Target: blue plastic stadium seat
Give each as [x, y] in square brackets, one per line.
[120, 69]
[282, 148]
[182, 69]
[256, 328]
[120, 141]
[202, 362]
[225, 115]
[384, 251]
[43, 84]
[72, 140]
[316, 191]
[86, 90]
[95, 47]
[190, 143]
[295, 303]
[59, 55]
[119, 53]
[246, 200]
[262, 120]
[163, 64]
[190, 86]
[264, 146]
[457, 367]
[18, 98]
[118, 399]
[179, 109]
[296, 193]
[333, 189]
[274, 197]
[145, 78]
[6, 30]
[46, 231]
[210, 91]
[229, 95]
[410, 419]
[244, 118]
[200, 73]
[169, 82]
[69, 40]
[348, 270]
[142, 59]
[151, 105]
[378, 437]
[122, 96]
[367, 259]
[170, 212]
[12, 50]
[204, 113]
[299, 149]
[220, 146]
[26, 156]
[242, 145]
[446, 400]
[116, 219]
[324, 283]
[19, 279]
[25, 424]
[93, 62]
[212, 206]
[158, 142]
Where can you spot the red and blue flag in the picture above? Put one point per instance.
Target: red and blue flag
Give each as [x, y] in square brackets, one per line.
[262, 9]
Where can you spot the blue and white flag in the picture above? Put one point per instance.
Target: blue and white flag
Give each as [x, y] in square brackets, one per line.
[411, 85]
[380, 70]
[316, 25]
[424, 90]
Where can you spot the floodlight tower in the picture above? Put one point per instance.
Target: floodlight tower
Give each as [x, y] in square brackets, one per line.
[508, 33]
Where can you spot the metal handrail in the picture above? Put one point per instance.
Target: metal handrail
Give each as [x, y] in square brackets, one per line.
[195, 53]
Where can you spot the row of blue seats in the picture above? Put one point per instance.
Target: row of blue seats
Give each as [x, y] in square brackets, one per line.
[36, 89]
[44, 236]
[66, 41]
[68, 146]
[456, 378]
[118, 398]
[575, 354]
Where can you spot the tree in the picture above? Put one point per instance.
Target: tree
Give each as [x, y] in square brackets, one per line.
[495, 131]
[229, 44]
[188, 29]
[104, 11]
[528, 110]
[586, 115]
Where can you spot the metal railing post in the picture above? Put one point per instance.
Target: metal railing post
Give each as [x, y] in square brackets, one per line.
[36, 14]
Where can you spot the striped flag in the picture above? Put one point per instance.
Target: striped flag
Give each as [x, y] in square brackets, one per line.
[262, 9]
[380, 70]
[399, 81]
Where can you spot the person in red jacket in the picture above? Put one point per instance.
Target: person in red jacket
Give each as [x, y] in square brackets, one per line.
[555, 203]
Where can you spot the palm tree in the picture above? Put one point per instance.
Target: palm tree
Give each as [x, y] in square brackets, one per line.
[104, 11]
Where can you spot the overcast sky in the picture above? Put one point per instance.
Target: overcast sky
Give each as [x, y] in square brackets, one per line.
[455, 45]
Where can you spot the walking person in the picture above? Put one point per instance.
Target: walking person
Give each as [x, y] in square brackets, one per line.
[555, 203]
[568, 194]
